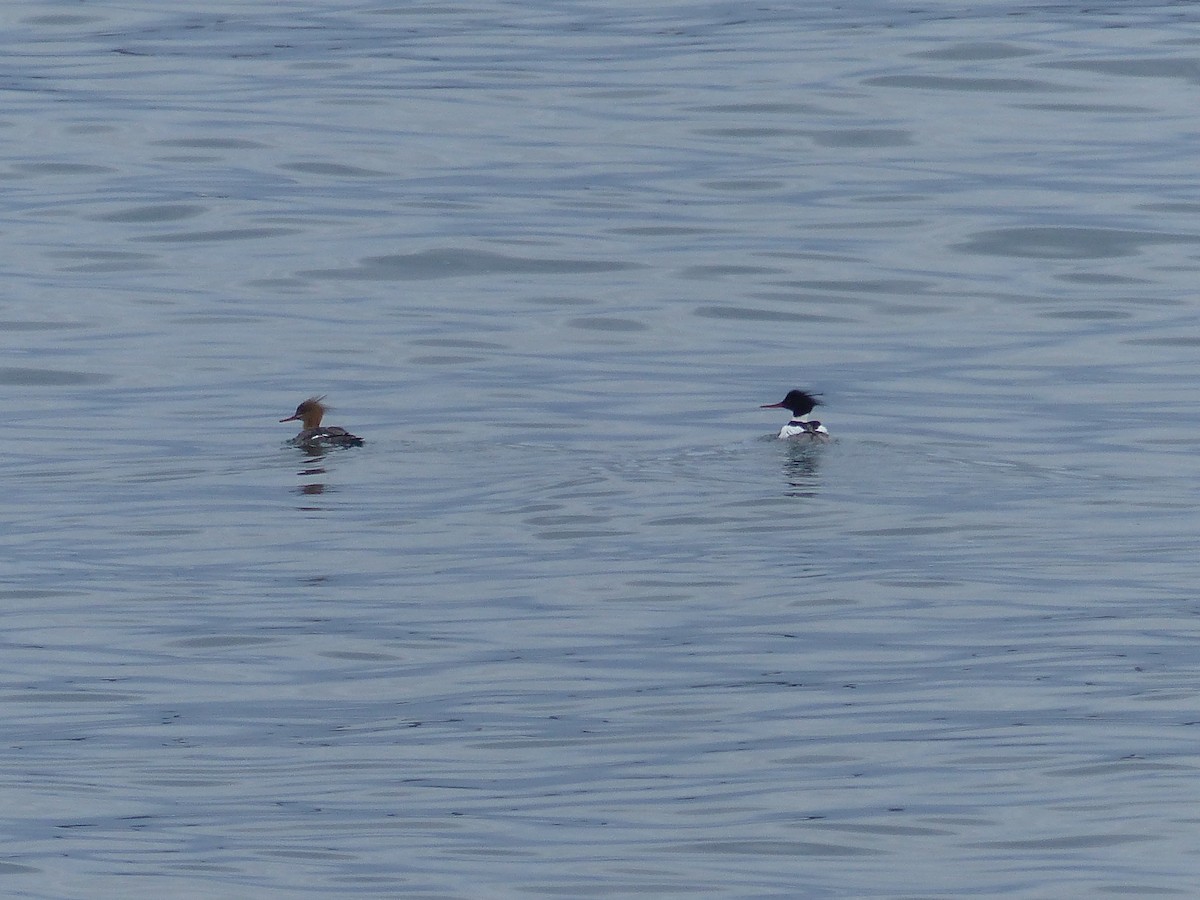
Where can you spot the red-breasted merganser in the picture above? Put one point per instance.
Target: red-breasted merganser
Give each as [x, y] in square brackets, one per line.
[800, 403]
[312, 434]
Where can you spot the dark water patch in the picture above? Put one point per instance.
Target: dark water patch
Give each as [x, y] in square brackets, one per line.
[623, 93]
[959, 83]
[1086, 315]
[1066, 242]
[360, 656]
[70, 697]
[873, 199]
[606, 323]
[103, 260]
[566, 519]
[911, 530]
[227, 234]
[702, 273]
[16, 869]
[1186, 208]
[1101, 108]
[442, 360]
[913, 309]
[676, 521]
[811, 256]
[1070, 842]
[64, 20]
[863, 285]
[758, 108]
[212, 143]
[163, 532]
[862, 137]
[334, 169]
[220, 640]
[746, 132]
[791, 298]
[232, 318]
[1172, 341]
[662, 231]
[976, 51]
[49, 377]
[455, 263]
[750, 314]
[165, 212]
[773, 848]
[745, 185]
[459, 343]
[1099, 278]
[580, 534]
[561, 301]
[10, 325]
[57, 168]
[33, 594]
[1186, 68]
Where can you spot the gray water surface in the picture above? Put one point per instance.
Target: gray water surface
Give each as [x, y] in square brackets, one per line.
[572, 623]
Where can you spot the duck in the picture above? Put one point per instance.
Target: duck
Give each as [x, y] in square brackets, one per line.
[800, 428]
[310, 413]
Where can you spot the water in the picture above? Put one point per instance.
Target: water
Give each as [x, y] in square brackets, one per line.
[571, 623]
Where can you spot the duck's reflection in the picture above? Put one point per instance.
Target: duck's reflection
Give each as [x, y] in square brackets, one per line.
[315, 454]
[800, 469]
[314, 470]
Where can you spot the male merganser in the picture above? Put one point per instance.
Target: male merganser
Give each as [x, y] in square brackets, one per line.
[312, 434]
[800, 428]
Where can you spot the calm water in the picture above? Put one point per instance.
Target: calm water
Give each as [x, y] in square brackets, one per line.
[572, 624]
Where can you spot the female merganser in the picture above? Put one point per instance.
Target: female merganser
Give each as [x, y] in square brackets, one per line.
[312, 434]
[800, 428]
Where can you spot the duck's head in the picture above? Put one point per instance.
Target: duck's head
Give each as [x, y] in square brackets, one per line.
[309, 412]
[800, 403]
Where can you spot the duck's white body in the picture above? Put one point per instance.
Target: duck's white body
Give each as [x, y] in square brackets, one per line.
[802, 430]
